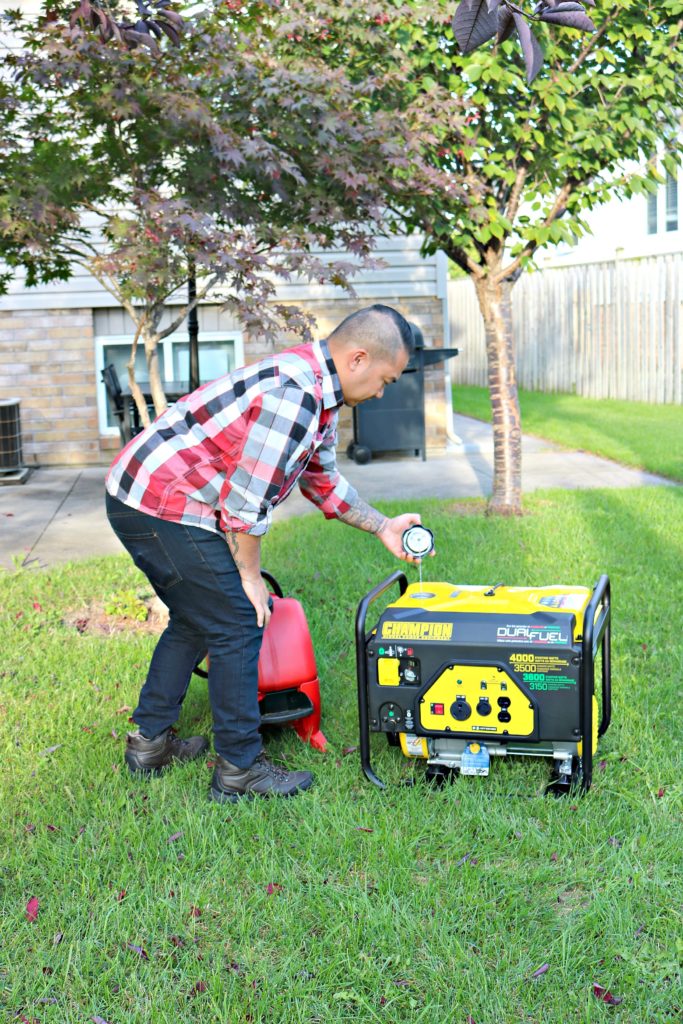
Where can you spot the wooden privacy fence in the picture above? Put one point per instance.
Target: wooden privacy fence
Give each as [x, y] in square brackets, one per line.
[603, 330]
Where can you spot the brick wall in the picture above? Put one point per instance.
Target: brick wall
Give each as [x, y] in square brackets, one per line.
[47, 359]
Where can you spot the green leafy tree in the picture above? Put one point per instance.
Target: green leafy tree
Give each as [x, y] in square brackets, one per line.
[145, 150]
[516, 167]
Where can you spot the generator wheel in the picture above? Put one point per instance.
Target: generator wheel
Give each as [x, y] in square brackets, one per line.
[437, 775]
[562, 784]
[350, 449]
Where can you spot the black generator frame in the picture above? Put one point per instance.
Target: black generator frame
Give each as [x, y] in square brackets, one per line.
[596, 635]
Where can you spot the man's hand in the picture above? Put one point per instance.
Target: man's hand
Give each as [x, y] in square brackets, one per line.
[259, 595]
[365, 517]
[392, 531]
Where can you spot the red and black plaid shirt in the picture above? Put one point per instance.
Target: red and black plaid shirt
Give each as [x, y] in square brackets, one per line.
[224, 456]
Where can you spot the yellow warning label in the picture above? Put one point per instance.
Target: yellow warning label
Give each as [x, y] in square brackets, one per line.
[417, 630]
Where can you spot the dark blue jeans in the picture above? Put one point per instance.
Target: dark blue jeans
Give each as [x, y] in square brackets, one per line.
[194, 574]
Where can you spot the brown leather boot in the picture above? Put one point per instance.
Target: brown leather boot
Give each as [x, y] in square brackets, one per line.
[150, 756]
[263, 778]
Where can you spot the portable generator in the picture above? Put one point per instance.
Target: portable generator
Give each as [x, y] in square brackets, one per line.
[459, 674]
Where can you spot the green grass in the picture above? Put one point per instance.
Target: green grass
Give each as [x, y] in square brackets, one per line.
[410, 905]
[649, 437]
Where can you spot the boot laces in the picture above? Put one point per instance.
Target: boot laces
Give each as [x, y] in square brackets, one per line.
[272, 769]
[176, 740]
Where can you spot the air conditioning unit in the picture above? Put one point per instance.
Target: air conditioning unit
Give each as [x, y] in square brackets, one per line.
[12, 468]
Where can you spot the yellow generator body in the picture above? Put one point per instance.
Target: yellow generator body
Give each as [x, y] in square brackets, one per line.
[458, 674]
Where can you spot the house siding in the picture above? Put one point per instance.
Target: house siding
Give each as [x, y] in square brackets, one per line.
[48, 347]
[407, 273]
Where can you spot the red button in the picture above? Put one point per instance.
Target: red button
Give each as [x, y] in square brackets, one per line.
[437, 709]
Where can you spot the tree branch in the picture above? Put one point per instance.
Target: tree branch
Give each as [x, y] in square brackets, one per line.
[559, 206]
[516, 194]
[103, 281]
[104, 214]
[465, 262]
[592, 40]
[71, 243]
[187, 309]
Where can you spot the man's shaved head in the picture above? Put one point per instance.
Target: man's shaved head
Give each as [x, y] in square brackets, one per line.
[379, 329]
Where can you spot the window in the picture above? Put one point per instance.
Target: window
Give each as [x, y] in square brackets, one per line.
[662, 206]
[652, 213]
[671, 205]
[216, 358]
[219, 353]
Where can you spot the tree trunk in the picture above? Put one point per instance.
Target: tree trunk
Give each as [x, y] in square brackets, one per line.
[135, 389]
[151, 340]
[495, 302]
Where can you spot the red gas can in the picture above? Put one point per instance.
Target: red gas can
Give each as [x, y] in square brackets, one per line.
[288, 684]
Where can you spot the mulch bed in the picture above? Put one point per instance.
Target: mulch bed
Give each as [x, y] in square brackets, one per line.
[95, 621]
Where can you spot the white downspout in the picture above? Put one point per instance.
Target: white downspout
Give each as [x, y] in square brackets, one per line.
[442, 292]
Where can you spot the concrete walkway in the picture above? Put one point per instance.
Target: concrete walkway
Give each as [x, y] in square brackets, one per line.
[58, 514]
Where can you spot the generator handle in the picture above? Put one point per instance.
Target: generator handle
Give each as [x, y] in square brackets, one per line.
[594, 634]
[362, 670]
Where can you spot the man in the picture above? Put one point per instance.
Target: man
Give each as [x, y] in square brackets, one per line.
[192, 495]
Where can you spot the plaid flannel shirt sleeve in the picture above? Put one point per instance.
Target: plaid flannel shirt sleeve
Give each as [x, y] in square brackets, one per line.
[322, 483]
[277, 421]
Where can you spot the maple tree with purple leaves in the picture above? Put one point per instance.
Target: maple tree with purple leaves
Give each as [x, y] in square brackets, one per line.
[146, 151]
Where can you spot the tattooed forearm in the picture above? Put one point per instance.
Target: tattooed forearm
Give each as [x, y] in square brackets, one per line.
[233, 544]
[364, 517]
[246, 553]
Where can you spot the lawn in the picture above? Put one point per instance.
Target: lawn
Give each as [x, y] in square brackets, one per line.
[484, 902]
[646, 436]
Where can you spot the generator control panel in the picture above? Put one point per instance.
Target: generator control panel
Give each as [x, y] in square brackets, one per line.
[477, 698]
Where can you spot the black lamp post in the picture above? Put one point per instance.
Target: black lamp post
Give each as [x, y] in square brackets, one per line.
[193, 328]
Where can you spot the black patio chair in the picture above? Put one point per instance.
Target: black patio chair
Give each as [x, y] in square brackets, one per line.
[118, 403]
